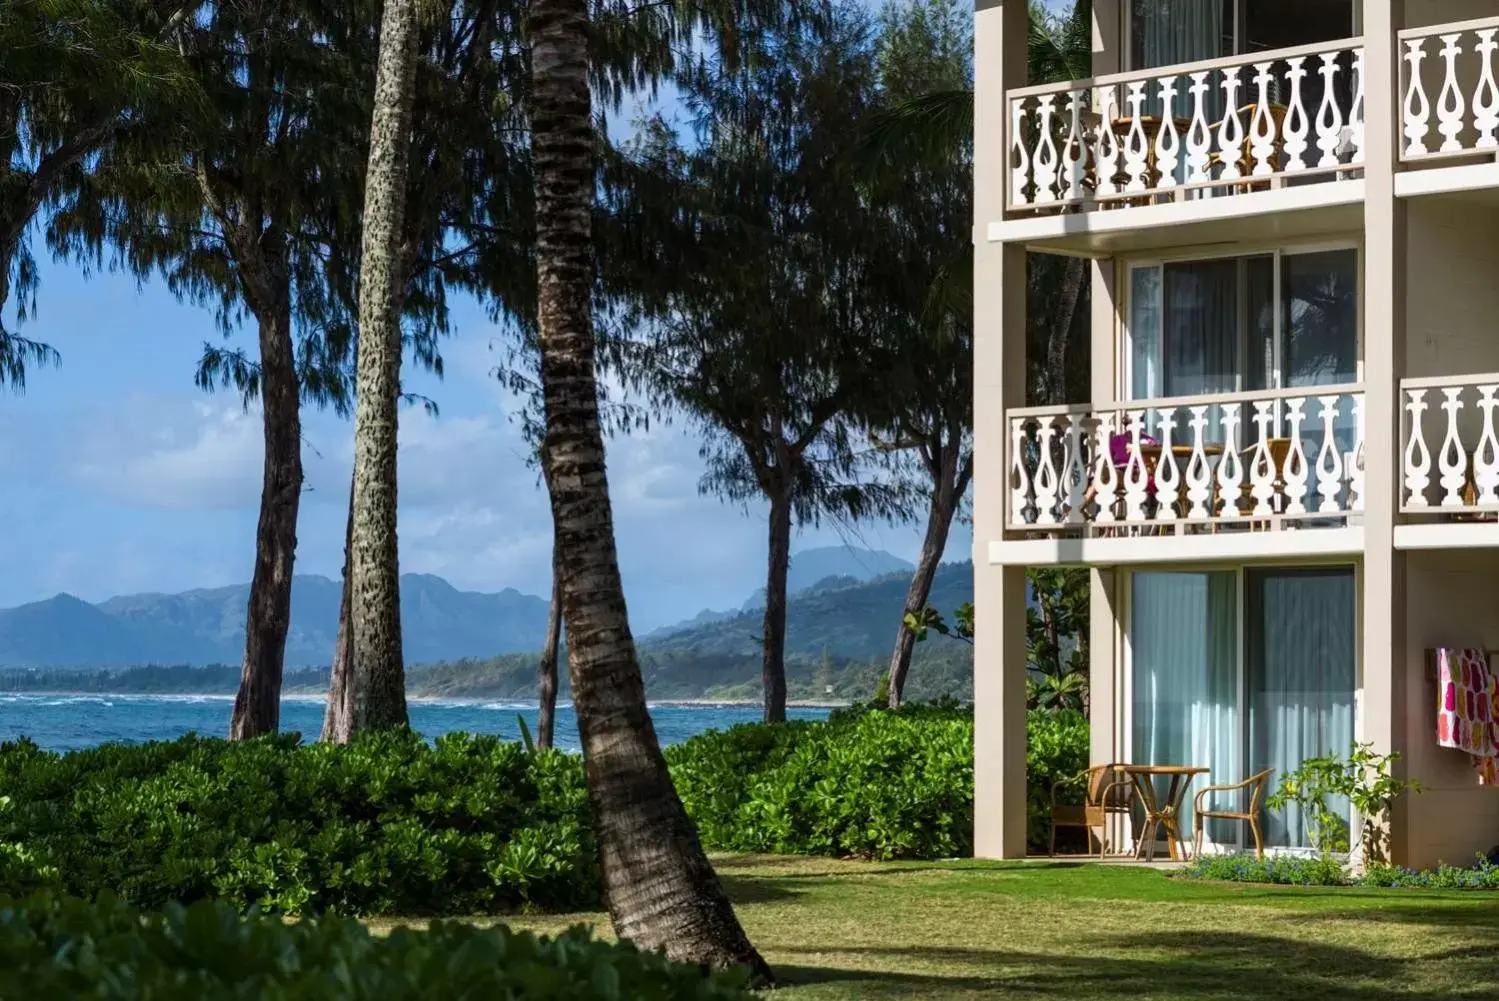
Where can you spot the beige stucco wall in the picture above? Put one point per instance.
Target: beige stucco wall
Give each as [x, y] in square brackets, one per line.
[1422, 13]
[1452, 317]
[1453, 601]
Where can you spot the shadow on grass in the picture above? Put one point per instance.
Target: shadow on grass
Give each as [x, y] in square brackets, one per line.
[1205, 966]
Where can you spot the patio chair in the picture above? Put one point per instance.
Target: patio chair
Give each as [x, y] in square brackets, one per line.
[1107, 792]
[1255, 785]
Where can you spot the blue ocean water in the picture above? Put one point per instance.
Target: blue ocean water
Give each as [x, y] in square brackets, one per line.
[68, 722]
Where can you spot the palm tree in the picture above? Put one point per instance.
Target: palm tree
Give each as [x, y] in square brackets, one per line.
[374, 571]
[662, 891]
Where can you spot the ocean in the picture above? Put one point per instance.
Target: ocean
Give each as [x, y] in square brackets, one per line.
[69, 722]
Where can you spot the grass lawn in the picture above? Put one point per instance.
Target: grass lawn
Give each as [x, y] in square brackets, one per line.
[1077, 932]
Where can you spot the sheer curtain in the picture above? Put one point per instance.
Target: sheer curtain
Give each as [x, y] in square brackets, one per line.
[1183, 643]
[1184, 336]
[1171, 32]
[1300, 670]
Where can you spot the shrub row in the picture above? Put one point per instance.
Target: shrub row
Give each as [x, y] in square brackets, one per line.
[60, 949]
[389, 824]
[468, 825]
[1302, 871]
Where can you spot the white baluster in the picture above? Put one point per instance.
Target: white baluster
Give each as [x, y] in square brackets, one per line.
[1417, 105]
[1231, 129]
[1356, 474]
[1329, 116]
[1168, 142]
[1020, 174]
[1168, 477]
[1074, 470]
[1136, 145]
[1486, 97]
[1486, 458]
[1075, 150]
[1329, 462]
[1199, 470]
[1356, 110]
[1451, 108]
[1104, 476]
[1230, 468]
[1047, 484]
[1136, 475]
[1453, 460]
[1295, 473]
[1262, 126]
[1417, 455]
[1297, 125]
[1020, 481]
[1262, 471]
[1044, 168]
[1200, 134]
[1108, 144]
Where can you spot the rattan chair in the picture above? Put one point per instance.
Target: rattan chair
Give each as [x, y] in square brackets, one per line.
[1256, 785]
[1107, 791]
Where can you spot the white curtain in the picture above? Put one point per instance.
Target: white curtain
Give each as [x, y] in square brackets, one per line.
[1300, 671]
[1167, 32]
[1183, 648]
[1184, 337]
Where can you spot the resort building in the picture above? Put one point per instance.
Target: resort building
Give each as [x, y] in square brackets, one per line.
[1285, 484]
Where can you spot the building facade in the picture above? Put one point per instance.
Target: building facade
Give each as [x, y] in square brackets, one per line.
[1285, 484]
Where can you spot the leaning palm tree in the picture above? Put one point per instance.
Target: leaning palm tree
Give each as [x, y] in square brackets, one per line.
[661, 889]
[379, 689]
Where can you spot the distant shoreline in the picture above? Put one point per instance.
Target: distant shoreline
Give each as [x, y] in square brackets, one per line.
[454, 700]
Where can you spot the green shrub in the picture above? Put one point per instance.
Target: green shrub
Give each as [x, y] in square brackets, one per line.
[62, 949]
[1056, 748]
[1482, 876]
[1291, 870]
[388, 824]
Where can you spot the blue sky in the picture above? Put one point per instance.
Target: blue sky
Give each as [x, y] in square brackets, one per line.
[120, 476]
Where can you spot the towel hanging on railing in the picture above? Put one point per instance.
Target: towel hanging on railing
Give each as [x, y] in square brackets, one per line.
[1467, 718]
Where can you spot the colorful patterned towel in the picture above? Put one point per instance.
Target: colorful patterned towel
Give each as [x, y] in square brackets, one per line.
[1467, 716]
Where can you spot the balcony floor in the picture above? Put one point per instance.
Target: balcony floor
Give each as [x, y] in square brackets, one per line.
[1299, 212]
[1221, 547]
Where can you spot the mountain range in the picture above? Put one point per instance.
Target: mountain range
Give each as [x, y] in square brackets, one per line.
[842, 592]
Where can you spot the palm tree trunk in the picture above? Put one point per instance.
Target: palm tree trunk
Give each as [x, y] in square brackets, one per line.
[375, 595]
[945, 493]
[547, 675]
[257, 707]
[661, 889]
[778, 563]
[338, 720]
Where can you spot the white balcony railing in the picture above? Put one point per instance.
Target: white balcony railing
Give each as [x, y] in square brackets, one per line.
[1447, 427]
[1267, 459]
[1241, 123]
[1447, 78]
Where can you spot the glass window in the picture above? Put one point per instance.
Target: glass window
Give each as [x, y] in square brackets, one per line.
[1320, 317]
[1167, 32]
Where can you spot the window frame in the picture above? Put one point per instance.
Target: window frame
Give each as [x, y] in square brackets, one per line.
[1124, 341]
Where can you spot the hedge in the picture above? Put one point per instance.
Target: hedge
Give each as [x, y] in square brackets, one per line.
[62, 949]
[470, 825]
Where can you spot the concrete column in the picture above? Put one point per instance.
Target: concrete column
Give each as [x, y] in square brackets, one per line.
[1383, 667]
[1000, 30]
[1104, 742]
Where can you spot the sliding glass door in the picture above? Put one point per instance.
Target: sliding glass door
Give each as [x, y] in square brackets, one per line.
[1240, 670]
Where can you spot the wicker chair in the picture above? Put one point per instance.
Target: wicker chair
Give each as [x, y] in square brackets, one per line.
[1107, 791]
[1256, 785]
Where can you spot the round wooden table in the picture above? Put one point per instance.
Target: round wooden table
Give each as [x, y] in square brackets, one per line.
[1162, 813]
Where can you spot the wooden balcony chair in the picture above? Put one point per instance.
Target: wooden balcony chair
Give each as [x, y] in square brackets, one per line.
[1107, 792]
[1255, 785]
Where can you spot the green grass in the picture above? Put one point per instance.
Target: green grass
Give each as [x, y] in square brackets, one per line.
[837, 931]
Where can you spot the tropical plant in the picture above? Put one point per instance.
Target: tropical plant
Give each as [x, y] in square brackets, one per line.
[661, 889]
[1363, 779]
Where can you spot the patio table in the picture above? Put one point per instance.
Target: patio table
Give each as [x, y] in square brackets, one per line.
[1162, 812]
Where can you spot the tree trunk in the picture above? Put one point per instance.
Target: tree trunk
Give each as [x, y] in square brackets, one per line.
[661, 889]
[375, 590]
[257, 707]
[938, 523]
[338, 720]
[778, 563]
[1073, 275]
[547, 676]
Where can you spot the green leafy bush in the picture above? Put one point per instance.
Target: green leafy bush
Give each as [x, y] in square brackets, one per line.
[868, 782]
[1484, 875]
[388, 824]
[60, 949]
[1290, 870]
